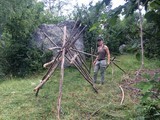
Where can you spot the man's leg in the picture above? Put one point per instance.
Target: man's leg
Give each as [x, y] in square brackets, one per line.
[102, 70]
[96, 68]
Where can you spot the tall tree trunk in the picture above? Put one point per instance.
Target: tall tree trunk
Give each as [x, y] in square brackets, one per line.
[141, 34]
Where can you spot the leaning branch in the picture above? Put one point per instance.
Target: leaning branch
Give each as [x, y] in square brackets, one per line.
[83, 52]
[50, 39]
[73, 59]
[62, 76]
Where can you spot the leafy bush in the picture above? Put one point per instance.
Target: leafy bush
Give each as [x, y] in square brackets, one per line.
[149, 107]
[19, 56]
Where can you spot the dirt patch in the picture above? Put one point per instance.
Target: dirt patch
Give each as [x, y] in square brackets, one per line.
[129, 83]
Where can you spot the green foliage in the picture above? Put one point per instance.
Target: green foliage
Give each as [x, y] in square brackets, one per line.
[79, 100]
[117, 31]
[91, 16]
[19, 56]
[153, 30]
[108, 25]
[150, 100]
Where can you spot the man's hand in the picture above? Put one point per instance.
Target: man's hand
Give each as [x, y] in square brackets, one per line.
[94, 62]
[60, 59]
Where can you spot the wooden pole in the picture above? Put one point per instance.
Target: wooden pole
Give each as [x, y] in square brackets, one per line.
[84, 72]
[50, 39]
[62, 76]
[46, 78]
[75, 39]
[112, 67]
[72, 44]
[118, 67]
[49, 63]
[91, 63]
[83, 52]
[81, 58]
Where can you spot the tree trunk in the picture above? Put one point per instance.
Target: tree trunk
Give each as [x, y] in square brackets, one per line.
[141, 35]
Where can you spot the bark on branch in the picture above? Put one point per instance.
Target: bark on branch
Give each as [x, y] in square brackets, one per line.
[62, 76]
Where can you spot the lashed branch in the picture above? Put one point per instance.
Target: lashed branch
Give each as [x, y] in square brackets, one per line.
[73, 59]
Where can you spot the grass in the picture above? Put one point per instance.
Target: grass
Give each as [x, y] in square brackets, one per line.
[18, 101]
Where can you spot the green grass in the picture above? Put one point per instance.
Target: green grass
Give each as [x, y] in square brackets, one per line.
[18, 101]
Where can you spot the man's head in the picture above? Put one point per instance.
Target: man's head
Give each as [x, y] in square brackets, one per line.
[100, 41]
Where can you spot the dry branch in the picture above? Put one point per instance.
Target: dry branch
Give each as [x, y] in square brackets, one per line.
[74, 40]
[50, 71]
[81, 58]
[53, 48]
[83, 52]
[50, 39]
[46, 78]
[84, 72]
[122, 94]
[62, 76]
[95, 112]
[118, 67]
[73, 59]
[49, 63]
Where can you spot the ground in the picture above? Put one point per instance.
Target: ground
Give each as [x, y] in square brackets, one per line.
[79, 101]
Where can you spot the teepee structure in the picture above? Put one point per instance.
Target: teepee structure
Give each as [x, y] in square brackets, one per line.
[68, 52]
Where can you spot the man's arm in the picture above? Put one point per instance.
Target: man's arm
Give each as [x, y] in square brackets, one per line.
[108, 53]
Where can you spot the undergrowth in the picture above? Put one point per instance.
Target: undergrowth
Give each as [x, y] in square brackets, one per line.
[79, 101]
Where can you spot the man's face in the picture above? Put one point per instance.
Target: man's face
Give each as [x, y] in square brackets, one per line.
[100, 42]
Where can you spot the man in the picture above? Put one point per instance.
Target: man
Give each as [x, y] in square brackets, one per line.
[100, 61]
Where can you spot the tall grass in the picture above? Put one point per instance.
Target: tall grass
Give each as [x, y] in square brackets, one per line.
[79, 101]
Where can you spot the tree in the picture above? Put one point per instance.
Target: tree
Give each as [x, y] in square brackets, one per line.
[56, 7]
[19, 55]
[91, 16]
